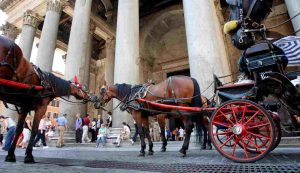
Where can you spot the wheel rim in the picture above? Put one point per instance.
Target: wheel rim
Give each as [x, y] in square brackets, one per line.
[248, 128]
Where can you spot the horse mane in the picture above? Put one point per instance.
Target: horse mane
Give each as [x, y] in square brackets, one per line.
[123, 90]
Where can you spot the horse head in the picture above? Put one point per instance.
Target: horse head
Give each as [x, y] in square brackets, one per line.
[80, 91]
[10, 55]
[105, 95]
[246, 14]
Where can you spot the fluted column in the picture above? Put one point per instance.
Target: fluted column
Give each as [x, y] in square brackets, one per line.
[293, 7]
[127, 51]
[109, 67]
[30, 23]
[48, 39]
[11, 32]
[205, 43]
[79, 39]
[85, 69]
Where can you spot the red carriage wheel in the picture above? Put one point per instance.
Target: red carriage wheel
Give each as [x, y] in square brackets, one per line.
[249, 129]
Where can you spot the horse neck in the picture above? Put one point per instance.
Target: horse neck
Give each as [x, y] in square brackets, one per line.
[113, 92]
[26, 73]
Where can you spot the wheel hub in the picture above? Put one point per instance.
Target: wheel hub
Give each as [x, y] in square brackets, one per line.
[237, 129]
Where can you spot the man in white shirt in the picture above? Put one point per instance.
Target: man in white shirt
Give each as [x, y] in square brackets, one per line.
[125, 134]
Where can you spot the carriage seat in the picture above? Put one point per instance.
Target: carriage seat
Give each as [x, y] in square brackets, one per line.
[293, 75]
[257, 49]
[236, 91]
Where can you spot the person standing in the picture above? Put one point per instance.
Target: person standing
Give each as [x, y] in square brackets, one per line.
[99, 122]
[9, 124]
[62, 126]
[85, 128]
[133, 140]
[181, 134]
[78, 127]
[93, 130]
[27, 131]
[109, 120]
[41, 134]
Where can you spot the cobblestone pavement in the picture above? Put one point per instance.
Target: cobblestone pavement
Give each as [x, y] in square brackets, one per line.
[124, 159]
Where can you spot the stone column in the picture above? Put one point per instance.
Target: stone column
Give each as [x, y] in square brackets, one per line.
[76, 50]
[30, 24]
[205, 43]
[48, 39]
[109, 68]
[86, 60]
[11, 32]
[293, 7]
[127, 51]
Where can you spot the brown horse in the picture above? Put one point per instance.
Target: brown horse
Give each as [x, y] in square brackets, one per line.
[14, 67]
[176, 90]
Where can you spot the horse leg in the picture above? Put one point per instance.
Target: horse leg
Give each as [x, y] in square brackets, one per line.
[188, 131]
[161, 122]
[11, 152]
[137, 116]
[206, 125]
[147, 133]
[40, 110]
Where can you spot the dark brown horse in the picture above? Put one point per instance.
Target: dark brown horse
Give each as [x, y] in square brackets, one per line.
[176, 90]
[14, 67]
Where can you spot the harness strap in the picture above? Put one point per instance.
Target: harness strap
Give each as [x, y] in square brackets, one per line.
[251, 8]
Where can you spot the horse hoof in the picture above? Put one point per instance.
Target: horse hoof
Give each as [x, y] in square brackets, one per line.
[10, 158]
[183, 152]
[163, 150]
[210, 147]
[29, 160]
[150, 153]
[203, 147]
[141, 155]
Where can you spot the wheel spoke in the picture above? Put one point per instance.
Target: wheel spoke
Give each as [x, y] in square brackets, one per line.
[243, 115]
[234, 115]
[227, 141]
[226, 117]
[252, 117]
[221, 124]
[256, 126]
[246, 153]
[234, 146]
[221, 133]
[257, 148]
[259, 135]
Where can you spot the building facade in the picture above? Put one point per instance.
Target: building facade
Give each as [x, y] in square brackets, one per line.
[132, 41]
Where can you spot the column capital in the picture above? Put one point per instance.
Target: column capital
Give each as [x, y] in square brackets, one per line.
[10, 31]
[31, 18]
[56, 5]
[110, 43]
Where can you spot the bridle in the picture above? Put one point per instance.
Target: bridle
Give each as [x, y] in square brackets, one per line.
[4, 62]
[80, 89]
[103, 94]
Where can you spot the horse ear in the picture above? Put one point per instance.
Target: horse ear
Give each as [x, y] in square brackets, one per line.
[76, 80]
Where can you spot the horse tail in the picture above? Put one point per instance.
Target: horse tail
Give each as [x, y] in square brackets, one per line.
[197, 102]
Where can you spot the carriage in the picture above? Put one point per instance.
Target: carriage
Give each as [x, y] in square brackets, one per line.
[247, 119]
